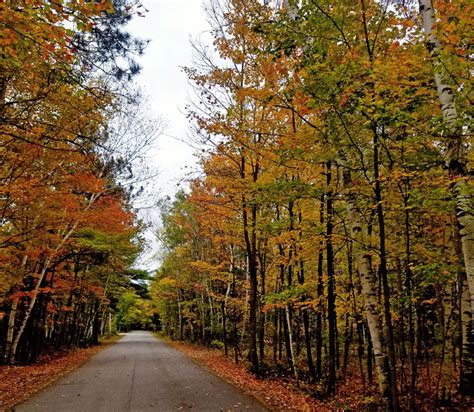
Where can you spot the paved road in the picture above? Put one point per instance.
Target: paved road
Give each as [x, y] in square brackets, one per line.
[140, 373]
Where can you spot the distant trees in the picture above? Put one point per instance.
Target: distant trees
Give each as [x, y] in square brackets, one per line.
[325, 236]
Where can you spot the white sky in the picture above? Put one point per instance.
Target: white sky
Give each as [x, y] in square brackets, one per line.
[169, 24]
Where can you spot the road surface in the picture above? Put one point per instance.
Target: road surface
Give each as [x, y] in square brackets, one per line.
[140, 373]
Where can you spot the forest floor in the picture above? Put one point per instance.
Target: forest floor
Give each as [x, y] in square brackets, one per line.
[279, 393]
[18, 383]
[283, 393]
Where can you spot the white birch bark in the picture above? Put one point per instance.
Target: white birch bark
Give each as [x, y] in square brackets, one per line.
[466, 313]
[291, 9]
[12, 316]
[457, 164]
[455, 152]
[11, 328]
[246, 306]
[110, 323]
[369, 293]
[290, 338]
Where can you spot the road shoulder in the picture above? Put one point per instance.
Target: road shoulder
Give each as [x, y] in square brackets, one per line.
[19, 383]
[273, 393]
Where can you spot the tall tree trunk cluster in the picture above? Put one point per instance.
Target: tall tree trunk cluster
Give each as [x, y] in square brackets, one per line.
[64, 307]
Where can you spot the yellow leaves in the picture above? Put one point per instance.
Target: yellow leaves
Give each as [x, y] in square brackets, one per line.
[205, 267]
[8, 37]
[167, 282]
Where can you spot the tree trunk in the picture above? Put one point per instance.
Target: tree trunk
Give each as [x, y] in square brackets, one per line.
[369, 293]
[11, 328]
[332, 325]
[456, 161]
[383, 271]
[224, 331]
[29, 310]
[348, 331]
[290, 343]
[12, 318]
[262, 319]
[307, 338]
[224, 317]
[96, 322]
[250, 246]
[180, 316]
[275, 335]
[467, 348]
[320, 292]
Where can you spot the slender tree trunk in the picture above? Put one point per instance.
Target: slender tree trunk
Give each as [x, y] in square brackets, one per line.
[360, 349]
[12, 317]
[275, 335]
[224, 331]
[233, 294]
[249, 226]
[456, 161]
[332, 324]
[307, 331]
[348, 332]
[246, 305]
[320, 293]
[383, 271]
[370, 357]
[467, 367]
[307, 338]
[96, 321]
[281, 334]
[224, 316]
[29, 310]
[290, 343]
[262, 319]
[369, 292]
[411, 312]
[306, 314]
[11, 328]
[180, 315]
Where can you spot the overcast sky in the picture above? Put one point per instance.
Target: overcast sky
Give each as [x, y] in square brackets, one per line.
[169, 24]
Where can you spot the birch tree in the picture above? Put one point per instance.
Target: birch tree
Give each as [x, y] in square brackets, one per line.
[456, 147]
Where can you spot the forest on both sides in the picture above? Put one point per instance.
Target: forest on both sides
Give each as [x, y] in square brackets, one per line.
[328, 240]
[330, 237]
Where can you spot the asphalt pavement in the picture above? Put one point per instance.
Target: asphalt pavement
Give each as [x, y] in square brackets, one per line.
[140, 373]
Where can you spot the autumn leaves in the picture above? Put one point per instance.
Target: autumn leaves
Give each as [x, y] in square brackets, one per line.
[324, 208]
[325, 238]
[68, 232]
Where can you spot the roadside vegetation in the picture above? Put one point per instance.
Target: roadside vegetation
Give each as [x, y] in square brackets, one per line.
[74, 132]
[329, 240]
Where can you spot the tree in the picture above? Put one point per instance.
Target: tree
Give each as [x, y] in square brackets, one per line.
[457, 164]
[61, 171]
